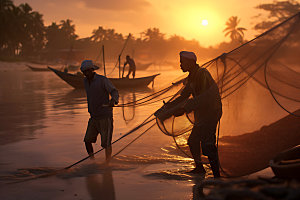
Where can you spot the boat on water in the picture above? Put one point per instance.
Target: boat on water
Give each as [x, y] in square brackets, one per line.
[73, 67]
[76, 80]
[287, 164]
[38, 69]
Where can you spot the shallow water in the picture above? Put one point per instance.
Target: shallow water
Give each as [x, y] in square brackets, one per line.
[43, 121]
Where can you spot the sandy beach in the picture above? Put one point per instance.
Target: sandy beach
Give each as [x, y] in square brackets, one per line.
[43, 121]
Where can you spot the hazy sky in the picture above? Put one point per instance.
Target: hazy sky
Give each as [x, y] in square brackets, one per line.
[180, 17]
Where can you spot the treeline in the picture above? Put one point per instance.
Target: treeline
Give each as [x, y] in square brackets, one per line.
[24, 36]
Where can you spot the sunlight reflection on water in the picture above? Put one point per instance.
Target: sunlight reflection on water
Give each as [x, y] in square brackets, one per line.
[46, 118]
[41, 107]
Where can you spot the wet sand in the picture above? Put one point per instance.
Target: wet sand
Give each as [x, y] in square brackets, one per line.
[43, 121]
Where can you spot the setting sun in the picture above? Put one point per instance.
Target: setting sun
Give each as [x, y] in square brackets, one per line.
[204, 22]
[200, 23]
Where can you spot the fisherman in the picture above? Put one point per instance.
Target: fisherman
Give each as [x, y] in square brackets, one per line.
[98, 88]
[207, 107]
[132, 66]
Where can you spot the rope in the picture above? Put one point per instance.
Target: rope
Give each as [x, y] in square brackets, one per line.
[146, 121]
[120, 54]
[207, 65]
[173, 136]
[128, 133]
[241, 82]
[156, 94]
[265, 72]
[134, 140]
[268, 31]
[272, 94]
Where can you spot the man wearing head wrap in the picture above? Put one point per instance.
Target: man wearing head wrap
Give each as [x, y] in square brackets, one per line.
[98, 89]
[207, 107]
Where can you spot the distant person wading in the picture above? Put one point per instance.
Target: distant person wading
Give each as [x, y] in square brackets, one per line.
[132, 67]
[98, 89]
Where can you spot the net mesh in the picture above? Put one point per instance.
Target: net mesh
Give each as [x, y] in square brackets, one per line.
[259, 83]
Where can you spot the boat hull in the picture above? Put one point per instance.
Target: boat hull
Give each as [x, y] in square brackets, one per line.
[76, 81]
[38, 69]
[282, 164]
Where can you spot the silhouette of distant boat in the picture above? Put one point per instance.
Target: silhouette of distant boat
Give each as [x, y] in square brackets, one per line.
[76, 80]
[38, 69]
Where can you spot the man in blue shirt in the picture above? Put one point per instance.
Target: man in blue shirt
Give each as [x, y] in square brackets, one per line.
[98, 89]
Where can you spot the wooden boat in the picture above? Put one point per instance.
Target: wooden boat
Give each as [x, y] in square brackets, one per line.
[76, 80]
[287, 163]
[73, 67]
[38, 69]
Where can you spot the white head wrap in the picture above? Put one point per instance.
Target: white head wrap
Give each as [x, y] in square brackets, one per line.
[189, 55]
[88, 64]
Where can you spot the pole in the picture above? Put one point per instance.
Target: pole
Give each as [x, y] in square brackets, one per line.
[120, 66]
[103, 60]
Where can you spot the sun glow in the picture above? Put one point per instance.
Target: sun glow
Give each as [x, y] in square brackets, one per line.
[204, 22]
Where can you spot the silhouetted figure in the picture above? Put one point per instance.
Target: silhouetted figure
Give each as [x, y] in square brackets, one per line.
[207, 107]
[132, 67]
[98, 88]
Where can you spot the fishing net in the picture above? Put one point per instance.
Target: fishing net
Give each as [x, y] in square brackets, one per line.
[128, 112]
[259, 83]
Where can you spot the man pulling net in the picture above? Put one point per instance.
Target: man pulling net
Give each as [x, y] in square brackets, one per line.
[207, 107]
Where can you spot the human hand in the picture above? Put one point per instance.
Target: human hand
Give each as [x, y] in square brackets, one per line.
[189, 105]
[180, 111]
[111, 103]
[168, 105]
[158, 112]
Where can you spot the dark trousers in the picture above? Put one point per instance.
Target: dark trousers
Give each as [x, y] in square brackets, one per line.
[203, 136]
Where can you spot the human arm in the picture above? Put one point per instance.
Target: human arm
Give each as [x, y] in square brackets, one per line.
[175, 107]
[110, 88]
[207, 93]
[184, 95]
[125, 63]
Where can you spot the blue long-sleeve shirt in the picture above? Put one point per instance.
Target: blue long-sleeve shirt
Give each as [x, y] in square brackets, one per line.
[98, 91]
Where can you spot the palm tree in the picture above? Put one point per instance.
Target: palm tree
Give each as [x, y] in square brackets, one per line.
[278, 11]
[98, 34]
[6, 4]
[52, 32]
[152, 34]
[68, 29]
[37, 30]
[6, 15]
[235, 33]
[102, 34]
[32, 30]
[23, 29]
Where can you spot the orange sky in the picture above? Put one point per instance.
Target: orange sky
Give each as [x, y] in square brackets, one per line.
[180, 17]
